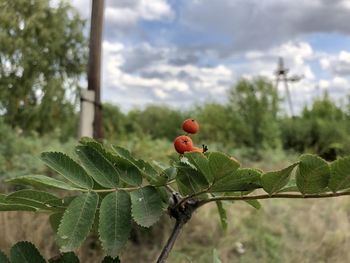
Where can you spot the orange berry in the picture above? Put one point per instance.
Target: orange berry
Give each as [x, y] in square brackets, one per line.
[190, 126]
[196, 149]
[183, 144]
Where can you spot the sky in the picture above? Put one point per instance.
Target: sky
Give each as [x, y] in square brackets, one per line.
[183, 53]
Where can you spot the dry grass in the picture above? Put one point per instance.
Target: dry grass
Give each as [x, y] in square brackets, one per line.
[282, 231]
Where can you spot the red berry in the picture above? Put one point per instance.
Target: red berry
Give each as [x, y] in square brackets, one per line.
[190, 126]
[183, 144]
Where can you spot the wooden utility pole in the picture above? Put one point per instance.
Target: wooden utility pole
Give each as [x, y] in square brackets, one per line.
[94, 65]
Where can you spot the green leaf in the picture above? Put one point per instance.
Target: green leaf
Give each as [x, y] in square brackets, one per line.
[254, 203]
[146, 206]
[25, 252]
[147, 171]
[312, 175]
[128, 172]
[222, 215]
[221, 165]
[69, 257]
[124, 153]
[41, 181]
[274, 181]
[165, 176]
[216, 258]
[290, 187]
[77, 221]
[189, 180]
[68, 168]
[115, 222]
[340, 174]
[110, 260]
[241, 180]
[3, 258]
[55, 221]
[98, 167]
[32, 198]
[145, 168]
[9, 206]
[201, 162]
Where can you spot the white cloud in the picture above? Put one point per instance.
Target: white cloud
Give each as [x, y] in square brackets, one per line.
[171, 65]
[138, 10]
[180, 85]
[251, 24]
[337, 64]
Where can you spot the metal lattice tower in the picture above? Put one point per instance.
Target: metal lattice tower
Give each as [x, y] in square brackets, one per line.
[282, 76]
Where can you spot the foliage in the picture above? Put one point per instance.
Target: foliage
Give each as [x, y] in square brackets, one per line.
[26, 252]
[19, 152]
[42, 56]
[200, 179]
[323, 128]
[255, 105]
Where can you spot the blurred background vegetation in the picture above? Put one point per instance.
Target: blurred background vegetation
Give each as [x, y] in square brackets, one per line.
[42, 60]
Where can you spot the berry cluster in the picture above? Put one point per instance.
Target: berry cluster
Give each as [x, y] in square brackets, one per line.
[184, 143]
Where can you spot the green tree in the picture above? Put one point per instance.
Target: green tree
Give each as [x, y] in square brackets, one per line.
[215, 123]
[42, 56]
[156, 121]
[322, 128]
[114, 121]
[255, 106]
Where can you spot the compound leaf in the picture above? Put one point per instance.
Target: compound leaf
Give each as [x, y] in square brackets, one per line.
[146, 206]
[190, 180]
[274, 181]
[145, 168]
[201, 162]
[77, 221]
[98, 166]
[340, 174]
[6, 205]
[55, 220]
[221, 165]
[68, 168]
[128, 172]
[241, 180]
[25, 252]
[115, 222]
[312, 175]
[32, 198]
[41, 181]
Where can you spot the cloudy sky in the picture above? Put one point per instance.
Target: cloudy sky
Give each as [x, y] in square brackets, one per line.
[184, 52]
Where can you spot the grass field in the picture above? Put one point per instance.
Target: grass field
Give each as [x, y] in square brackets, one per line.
[281, 231]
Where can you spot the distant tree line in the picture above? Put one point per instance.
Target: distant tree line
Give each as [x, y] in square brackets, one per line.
[252, 118]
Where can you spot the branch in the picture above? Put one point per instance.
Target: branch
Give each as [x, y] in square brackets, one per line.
[171, 241]
[182, 214]
[266, 196]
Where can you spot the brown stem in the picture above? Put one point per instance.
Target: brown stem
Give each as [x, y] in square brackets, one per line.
[182, 215]
[171, 241]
